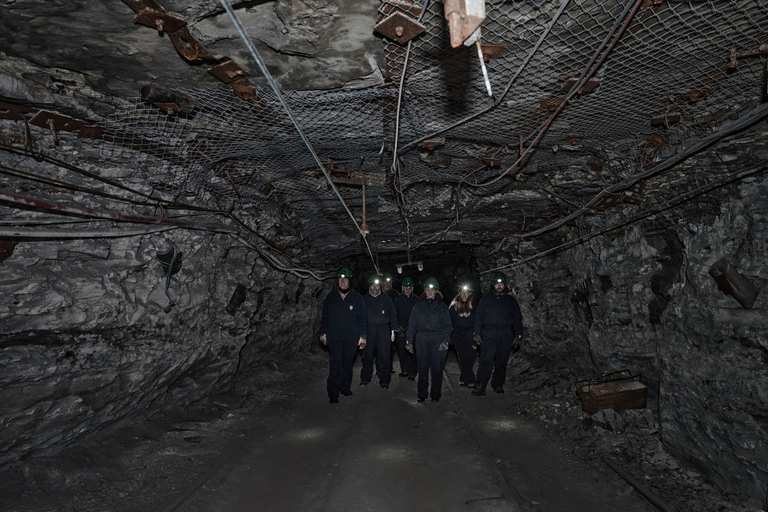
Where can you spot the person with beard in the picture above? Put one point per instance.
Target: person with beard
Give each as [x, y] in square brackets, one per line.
[403, 305]
[386, 287]
[429, 331]
[343, 327]
[382, 325]
[498, 327]
[463, 321]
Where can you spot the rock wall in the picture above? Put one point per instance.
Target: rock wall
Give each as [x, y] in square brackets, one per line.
[86, 342]
[643, 298]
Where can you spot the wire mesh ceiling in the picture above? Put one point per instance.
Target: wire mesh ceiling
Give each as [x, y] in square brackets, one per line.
[629, 87]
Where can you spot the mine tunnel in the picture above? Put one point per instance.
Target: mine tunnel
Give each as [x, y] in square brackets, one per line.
[200, 200]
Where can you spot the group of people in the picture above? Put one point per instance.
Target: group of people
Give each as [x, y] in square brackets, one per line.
[384, 322]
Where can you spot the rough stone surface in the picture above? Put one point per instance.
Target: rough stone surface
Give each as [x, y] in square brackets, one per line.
[86, 342]
[702, 355]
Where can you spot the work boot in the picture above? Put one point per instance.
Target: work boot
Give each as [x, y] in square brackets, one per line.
[346, 392]
[478, 391]
[498, 389]
[334, 399]
[364, 382]
[420, 400]
[403, 374]
[411, 377]
[385, 386]
[435, 399]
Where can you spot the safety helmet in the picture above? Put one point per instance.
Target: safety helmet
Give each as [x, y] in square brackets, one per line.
[387, 277]
[465, 288]
[431, 284]
[499, 277]
[344, 272]
[374, 279]
[407, 282]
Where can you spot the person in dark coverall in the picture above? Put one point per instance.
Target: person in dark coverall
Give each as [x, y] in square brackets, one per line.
[343, 328]
[498, 327]
[429, 330]
[463, 321]
[386, 287]
[403, 305]
[382, 325]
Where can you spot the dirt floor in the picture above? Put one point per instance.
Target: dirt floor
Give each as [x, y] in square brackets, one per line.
[275, 443]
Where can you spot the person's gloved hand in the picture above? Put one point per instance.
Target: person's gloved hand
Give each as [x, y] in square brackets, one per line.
[443, 347]
[409, 347]
[392, 337]
[361, 343]
[517, 341]
[323, 339]
[401, 330]
[477, 339]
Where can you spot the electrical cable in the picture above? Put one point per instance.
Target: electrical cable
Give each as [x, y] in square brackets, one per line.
[688, 196]
[498, 100]
[756, 115]
[589, 70]
[273, 85]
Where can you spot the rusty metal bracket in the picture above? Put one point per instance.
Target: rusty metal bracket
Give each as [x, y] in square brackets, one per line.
[244, 90]
[15, 112]
[6, 249]
[399, 27]
[431, 144]
[160, 19]
[731, 282]
[734, 56]
[590, 86]
[188, 46]
[56, 121]
[490, 51]
[228, 71]
[666, 119]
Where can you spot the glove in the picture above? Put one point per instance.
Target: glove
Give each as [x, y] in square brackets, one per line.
[477, 339]
[517, 341]
[361, 343]
[401, 330]
[392, 337]
[443, 347]
[409, 347]
[323, 339]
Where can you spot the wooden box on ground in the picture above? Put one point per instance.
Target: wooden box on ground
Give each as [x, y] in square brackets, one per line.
[619, 390]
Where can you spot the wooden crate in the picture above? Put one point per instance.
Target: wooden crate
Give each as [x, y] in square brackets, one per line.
[619, 390]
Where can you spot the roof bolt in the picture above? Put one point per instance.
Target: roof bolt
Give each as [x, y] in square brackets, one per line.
[399, 31]
[160, 24]
[52, 126]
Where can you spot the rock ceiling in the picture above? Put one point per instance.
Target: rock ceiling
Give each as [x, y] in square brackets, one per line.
[594, 106]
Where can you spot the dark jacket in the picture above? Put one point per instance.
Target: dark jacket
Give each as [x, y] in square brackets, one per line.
[344, 315]
[403, 305]
[462, 323]
[429, 317]
[380, 310]
[498, 311]
[393, 294]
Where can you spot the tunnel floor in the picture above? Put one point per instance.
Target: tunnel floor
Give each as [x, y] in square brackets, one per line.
[277, 444]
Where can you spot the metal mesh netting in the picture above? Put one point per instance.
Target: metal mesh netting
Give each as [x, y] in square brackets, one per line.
[665, 81]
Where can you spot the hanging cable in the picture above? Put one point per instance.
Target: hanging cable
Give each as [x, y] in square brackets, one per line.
[273, 85]
[396, 181]
[498, 100]
[589, 70]
[754, 116]
[688, 196]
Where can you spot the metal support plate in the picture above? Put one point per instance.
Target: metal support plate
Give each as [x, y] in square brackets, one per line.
[399, 27]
